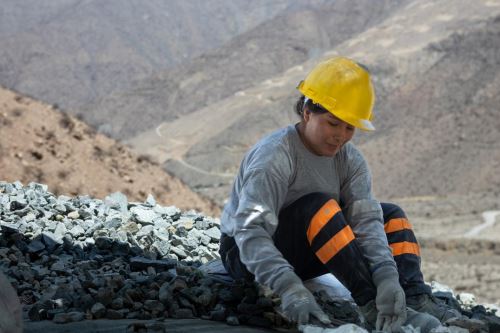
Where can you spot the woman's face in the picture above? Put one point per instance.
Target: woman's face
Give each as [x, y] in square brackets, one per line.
[324, 134]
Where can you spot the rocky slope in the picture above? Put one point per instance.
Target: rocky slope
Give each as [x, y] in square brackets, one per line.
[435, 112]
[245, 61]
[71, 52]
[40, 143]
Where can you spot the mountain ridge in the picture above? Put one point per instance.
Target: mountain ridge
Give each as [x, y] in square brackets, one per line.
[47, 145]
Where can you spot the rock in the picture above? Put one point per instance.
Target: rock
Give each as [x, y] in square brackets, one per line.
[104, 296]
[114, 314]
[154, 306]
[74, 215]
[150, 201]
[117, 201]
[130, 227]
[117, 303]
[466, 299]
[472, 325]
[232, 321]
[77, 231]
[103, 243]
[113, 222]
[179, 251]
[162, 247]
[60, 231]
[141, 263]
[145, 230]
[171, 211]
[164, 294]
[71, 256]
[213, 233]
[143, 215]
[450, 329]
[98, 310]
[183, 314]
[36, 246]
[62, 318]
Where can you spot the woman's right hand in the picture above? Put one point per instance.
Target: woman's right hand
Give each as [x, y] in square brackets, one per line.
[297, 302]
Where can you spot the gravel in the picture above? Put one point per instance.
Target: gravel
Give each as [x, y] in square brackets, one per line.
[78, 258]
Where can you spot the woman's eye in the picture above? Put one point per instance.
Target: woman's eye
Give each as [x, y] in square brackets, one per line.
[333, 124]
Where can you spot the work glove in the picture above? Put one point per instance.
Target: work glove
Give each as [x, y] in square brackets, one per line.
[10, 308]
[297, 302]
[390, 300]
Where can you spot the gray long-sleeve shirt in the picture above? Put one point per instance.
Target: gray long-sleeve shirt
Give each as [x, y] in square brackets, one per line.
[278, 170]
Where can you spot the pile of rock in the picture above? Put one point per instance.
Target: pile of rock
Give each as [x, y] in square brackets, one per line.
[88, 226]
[81, 258]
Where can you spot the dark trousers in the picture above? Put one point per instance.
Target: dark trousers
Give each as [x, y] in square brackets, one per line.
[315, 239]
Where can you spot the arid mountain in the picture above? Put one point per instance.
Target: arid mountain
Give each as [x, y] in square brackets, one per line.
[42, 144]
[434, 64]
[247, 60]
[436, 69]
[71, 52]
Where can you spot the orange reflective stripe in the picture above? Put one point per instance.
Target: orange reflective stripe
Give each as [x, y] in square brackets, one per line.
[396, 225]
[405, 248]
[335, 244]
[321, 218]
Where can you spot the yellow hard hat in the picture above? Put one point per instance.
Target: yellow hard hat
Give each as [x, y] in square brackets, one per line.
[342, 87]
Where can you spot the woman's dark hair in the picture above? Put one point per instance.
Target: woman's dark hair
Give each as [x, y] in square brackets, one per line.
[311, 106]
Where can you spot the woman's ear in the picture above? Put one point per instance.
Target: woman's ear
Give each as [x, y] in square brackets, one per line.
[306, 114]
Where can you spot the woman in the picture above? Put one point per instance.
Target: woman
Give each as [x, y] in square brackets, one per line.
[301, 206]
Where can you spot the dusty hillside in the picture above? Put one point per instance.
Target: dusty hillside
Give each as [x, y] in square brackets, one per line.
[247, 60]
[71, 52]
[435, 67]
[44, 145]
[441, 125]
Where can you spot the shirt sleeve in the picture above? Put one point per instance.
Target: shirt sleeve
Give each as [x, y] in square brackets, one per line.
[363, 212]
[262, 194]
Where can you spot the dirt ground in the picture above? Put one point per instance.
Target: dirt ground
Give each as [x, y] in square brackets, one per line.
[460, 248]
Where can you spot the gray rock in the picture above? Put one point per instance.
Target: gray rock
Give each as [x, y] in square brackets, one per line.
[60, 208]
[179, 251]
[141, 263]
[184, 314]
[213, 233]
[114, 314]
[60, 231]
[50, 240]
[143, 215]
[161, 223]
[232, 321]
[170, 211]
[74, 215]
[145, 230]
[164, 293]
[130, 227]
[58, 267]
[98, 310]
[204, 239]
[117, 201]
[77, 231]
[36, 246]
[62, 318]
[29, 217]
[154, 306]
[150, 200]
[162, 247]
[113, 221]
[117, 303]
